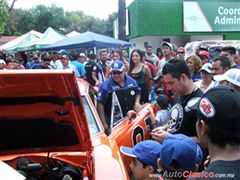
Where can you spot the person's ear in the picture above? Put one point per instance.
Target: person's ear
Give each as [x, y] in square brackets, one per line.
[183, 77]
[159, 164]
[195, 169]
[203, 127]
[150, 169]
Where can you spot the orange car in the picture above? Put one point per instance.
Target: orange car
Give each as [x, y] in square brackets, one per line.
[50, 128]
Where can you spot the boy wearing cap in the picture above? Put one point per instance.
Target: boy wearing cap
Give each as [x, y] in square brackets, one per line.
[144, 159]
[218, 129]
[126, 89]
[179, 153]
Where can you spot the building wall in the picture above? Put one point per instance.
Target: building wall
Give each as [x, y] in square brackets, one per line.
[165, 18]
[155, 41]
[212, 37]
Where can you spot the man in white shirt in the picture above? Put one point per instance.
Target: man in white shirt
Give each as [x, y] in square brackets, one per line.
[67, 65]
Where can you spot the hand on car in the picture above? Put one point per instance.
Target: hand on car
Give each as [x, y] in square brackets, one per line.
[106, 129]
[159, 135]
[160, 128]
[137, 107]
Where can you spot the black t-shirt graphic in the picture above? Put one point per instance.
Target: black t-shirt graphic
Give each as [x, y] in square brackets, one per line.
[182, 119]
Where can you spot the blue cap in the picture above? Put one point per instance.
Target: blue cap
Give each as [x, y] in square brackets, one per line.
[117, 66]
[62, 52]
[181, 149]
[199, 157]
[146, 151]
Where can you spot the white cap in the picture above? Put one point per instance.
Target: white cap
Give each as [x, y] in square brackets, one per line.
[2, 61]
[164, 43]
[232, 75]
[82, 55]
[207, 67]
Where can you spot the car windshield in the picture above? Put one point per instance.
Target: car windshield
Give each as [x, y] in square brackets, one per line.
[93, 127]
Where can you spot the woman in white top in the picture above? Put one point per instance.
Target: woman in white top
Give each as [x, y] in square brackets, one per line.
[206, 81]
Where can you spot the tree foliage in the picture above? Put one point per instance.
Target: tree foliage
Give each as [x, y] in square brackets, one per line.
[41, 17]
[4, 14]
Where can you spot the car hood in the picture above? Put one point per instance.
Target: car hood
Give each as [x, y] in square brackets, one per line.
[41, 111]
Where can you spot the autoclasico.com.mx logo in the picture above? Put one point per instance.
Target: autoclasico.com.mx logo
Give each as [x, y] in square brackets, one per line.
[191, 174]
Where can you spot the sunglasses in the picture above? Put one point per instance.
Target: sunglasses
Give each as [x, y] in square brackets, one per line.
[180, 52]
[116, 72]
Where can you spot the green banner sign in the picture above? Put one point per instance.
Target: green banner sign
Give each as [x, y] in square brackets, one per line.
[211, 16]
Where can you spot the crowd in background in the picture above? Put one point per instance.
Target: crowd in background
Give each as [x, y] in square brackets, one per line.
[173, 81]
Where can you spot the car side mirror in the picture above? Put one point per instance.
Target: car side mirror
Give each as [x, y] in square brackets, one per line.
[131, 115]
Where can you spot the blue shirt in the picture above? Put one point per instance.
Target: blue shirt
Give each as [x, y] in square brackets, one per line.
[126, 95]
[29, 64]
[110, 85]
[196, 76]
[80, 68]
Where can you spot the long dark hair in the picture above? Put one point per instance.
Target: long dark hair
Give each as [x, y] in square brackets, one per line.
[119, 52]
[131, 61]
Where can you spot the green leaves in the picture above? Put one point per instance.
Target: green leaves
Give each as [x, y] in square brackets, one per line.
[41, 17]
[3, 15]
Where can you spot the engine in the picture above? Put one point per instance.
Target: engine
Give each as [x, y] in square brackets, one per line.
[51, 170]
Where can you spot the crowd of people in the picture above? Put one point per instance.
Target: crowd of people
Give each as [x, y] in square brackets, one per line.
[197, 101]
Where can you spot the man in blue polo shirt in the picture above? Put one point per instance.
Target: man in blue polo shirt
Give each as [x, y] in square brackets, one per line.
[126, 89]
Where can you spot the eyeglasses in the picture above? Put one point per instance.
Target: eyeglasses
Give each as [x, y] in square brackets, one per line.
[116, 72]
[180, 52]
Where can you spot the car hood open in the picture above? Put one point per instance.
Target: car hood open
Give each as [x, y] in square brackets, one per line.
[41, 111]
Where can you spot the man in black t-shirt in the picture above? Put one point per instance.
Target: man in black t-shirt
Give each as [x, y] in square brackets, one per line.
[182, 119]
[90, 66]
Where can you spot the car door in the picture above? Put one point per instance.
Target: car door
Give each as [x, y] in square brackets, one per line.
[128, 130]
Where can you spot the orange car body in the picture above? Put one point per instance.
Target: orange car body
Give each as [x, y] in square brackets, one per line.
[63, 124]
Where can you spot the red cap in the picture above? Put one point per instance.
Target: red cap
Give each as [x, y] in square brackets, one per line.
[181, 49]
[204, 53]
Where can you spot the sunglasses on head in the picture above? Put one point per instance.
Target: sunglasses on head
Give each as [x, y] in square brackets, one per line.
[116, 72]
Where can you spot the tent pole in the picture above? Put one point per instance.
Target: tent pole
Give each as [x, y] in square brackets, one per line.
[94, 50]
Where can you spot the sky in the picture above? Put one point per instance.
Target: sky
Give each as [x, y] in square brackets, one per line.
[96, 8]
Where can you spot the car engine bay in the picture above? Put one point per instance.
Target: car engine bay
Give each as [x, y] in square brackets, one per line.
[45, 168]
